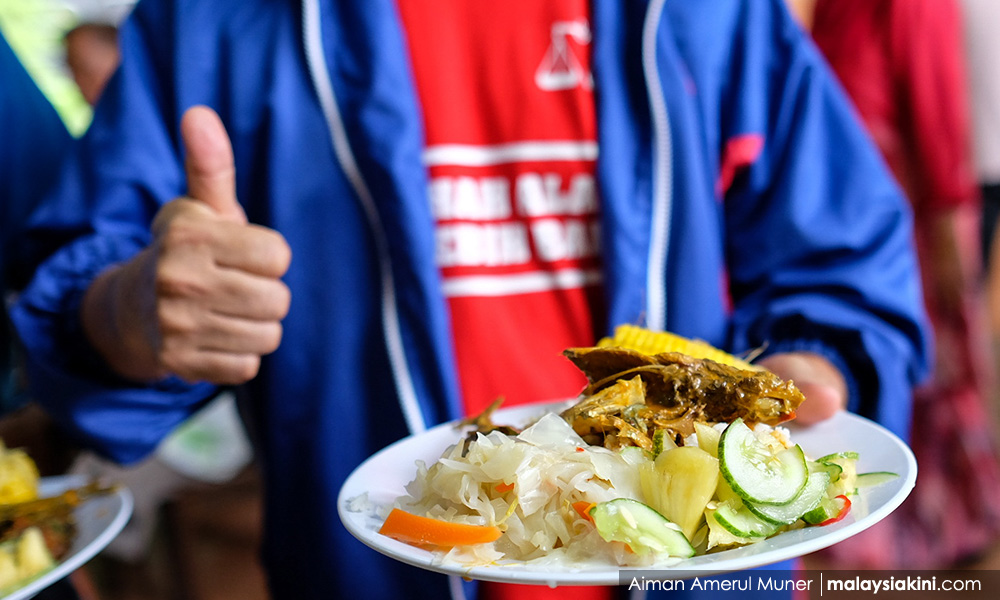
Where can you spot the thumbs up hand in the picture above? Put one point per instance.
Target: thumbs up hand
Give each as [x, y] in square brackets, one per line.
[204, 301]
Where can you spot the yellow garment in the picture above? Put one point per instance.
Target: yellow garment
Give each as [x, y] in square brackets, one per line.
[35, 29]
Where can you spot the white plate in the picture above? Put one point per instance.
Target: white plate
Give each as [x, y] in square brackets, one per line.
[98, 520]
[384, 475]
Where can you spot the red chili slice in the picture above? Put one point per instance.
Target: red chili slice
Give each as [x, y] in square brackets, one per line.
[846, 508]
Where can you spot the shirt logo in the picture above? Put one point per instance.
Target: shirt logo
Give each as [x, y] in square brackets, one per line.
[560, 68]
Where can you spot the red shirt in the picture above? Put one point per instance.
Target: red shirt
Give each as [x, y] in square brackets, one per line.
[511, 145]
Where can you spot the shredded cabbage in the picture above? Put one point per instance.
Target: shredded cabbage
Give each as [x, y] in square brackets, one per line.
[550, 468]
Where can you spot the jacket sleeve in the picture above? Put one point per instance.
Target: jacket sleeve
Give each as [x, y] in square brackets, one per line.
[820, 237]
[126, 166]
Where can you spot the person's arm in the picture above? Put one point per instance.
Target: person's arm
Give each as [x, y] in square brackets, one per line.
[98, 227]
[820, 237]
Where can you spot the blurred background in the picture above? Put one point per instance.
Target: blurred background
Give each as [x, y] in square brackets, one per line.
[925, 79]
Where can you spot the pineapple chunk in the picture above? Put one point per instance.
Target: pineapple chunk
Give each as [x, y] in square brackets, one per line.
[8, 566]
[680, 484]
[723, 492]
[33, 556]
[708, 438]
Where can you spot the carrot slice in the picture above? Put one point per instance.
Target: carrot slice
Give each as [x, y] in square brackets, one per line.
[417, 530]
[504, 487]
[583, 507]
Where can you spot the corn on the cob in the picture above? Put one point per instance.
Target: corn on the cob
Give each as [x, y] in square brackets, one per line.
[655, 342]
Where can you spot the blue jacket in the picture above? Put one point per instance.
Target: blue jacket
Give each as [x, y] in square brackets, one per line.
[33, 143]
[809, 249]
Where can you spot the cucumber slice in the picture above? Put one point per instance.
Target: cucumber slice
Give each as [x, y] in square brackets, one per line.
[634, 455]
[847, 482]
[739, 521]
[826, 509]
[829, 508]
[720, 537]
[756, 473]
[723, 492]
[874, 478]
[838, 456]
[641, 527]
[662, 441]
[832, 469]
[785, 514]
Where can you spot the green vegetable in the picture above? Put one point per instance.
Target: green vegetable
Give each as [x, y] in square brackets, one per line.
[833, 470]
[848, 481]
[662, 441]
[810, 497]
[757, 473]
[734, 516]
[829, 511]
[641, 527]
[874, 478]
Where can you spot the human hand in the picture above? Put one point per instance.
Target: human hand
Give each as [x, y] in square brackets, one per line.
[204, 301]
[819, 381]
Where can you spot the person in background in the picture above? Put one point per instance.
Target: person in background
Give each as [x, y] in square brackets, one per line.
[982, 46]
[902, 63]
[34, 30]
[91, 43]
[92, 56]
[435, 170]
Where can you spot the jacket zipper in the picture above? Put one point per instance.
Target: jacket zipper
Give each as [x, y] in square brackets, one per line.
[391, 329]
[656, 277]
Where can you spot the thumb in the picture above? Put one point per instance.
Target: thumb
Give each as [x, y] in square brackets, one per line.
[211, 172]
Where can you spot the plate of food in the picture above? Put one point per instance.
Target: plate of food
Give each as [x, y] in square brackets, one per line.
[668, 461]
[65, 522]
